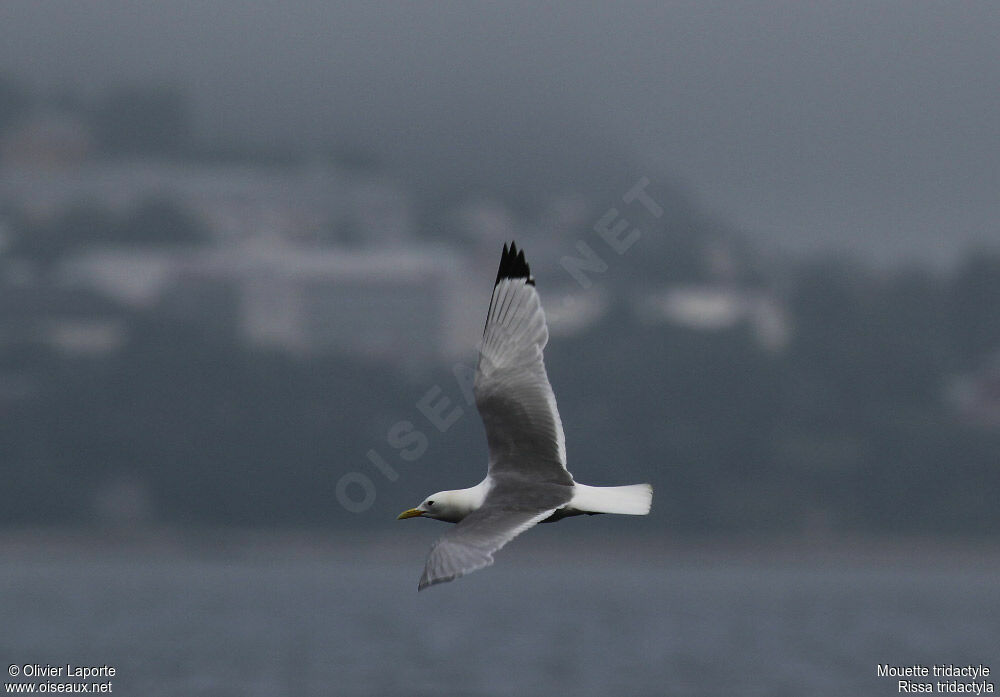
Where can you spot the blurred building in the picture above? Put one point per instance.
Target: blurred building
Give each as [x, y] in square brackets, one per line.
[570, 310]
[714, 308]
[231, 201]
[975, 397]
[71, 322]
[398, 303]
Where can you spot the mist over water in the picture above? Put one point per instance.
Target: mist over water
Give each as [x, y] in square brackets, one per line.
[826, 125]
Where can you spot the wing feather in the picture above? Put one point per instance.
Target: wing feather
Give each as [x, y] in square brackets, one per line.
[470, 545]
[512, 390]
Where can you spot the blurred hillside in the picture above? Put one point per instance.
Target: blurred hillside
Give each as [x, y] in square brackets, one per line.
[216, 333]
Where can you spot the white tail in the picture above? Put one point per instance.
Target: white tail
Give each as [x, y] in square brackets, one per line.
[634, 499]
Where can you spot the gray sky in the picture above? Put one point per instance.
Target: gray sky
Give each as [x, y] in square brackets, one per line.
[867, 126]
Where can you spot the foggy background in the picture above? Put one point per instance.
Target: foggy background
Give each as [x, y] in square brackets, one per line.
[241, 243]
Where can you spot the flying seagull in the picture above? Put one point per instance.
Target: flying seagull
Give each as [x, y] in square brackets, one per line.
[526, 480]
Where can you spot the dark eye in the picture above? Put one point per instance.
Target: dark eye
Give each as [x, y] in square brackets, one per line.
[430, 503]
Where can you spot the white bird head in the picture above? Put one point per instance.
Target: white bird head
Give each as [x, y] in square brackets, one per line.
[449, 506]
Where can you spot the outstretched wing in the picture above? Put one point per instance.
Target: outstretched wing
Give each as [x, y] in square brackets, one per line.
[512, 390]
[510, 508]
[470, 545]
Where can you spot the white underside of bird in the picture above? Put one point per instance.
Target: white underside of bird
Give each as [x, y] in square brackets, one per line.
[454, 506]
[527, 481]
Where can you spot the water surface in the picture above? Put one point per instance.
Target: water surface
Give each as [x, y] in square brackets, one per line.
[585, 619]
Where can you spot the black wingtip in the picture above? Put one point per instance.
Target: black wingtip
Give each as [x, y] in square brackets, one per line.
[513, 265]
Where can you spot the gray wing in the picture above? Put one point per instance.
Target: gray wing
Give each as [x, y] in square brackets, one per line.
[513, 394]
[509, 509]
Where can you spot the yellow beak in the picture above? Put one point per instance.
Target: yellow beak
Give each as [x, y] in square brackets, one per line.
[412, 513]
